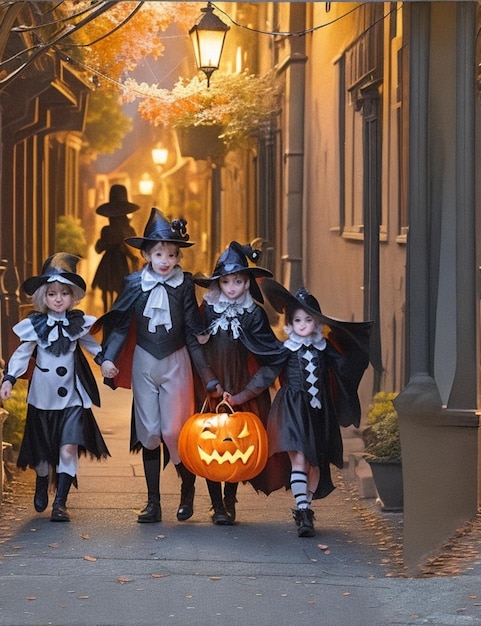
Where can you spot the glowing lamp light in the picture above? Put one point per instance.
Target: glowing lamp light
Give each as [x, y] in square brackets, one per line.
[160, 155]
[146, 185]
[208, 36]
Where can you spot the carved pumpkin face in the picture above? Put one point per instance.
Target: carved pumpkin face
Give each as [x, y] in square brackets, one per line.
[224, 447]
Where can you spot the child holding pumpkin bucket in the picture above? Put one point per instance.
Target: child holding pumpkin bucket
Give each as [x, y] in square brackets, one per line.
[60, 424]
[326, 359]
[150, 332]
[243, 352]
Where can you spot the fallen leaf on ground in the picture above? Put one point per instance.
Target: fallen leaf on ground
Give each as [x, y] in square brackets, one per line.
[90, 558]
[322, 546]
[123, 579]
[158, 575]
[85, 536]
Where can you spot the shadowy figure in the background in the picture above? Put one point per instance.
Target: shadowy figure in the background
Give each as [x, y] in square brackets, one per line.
[118, 260]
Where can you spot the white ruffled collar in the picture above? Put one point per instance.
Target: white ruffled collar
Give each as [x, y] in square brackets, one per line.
[222, 304]
[315, 340]
[150, 279]
[157, 307]
[228, 310]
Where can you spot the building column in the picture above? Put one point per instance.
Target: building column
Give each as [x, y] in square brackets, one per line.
[437, 408]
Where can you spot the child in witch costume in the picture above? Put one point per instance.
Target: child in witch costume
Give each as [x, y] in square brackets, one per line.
[242, 350]
[326, 359]
[59, 424]
[150, 334]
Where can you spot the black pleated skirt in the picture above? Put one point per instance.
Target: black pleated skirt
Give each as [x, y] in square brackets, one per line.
[46, 431]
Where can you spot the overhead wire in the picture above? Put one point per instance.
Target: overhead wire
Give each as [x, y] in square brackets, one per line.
[57, 45]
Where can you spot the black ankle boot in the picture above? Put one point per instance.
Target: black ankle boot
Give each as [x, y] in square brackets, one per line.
[151, 513]
[230, 491]
[304, 522]
[187, 492]
[40, 499]
[59, 509]
[219, 516]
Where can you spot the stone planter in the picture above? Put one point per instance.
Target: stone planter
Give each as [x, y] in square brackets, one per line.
[202, 142]
[388, 479]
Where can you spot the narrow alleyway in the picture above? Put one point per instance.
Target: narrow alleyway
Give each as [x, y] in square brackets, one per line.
[104, 568]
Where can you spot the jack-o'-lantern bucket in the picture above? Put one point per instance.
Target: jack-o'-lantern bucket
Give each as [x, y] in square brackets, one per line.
[224, 446]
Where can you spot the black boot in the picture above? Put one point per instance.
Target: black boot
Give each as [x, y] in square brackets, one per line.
[152, 512]
[187, 491]
[40, 499]
[230, 492]
[59, 509]
[219, 516]
[304, 522]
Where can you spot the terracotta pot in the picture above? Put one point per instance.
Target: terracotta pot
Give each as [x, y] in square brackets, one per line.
[202, 142]
[388, 479]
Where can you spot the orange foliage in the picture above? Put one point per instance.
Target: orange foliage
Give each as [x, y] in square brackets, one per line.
[120, 51]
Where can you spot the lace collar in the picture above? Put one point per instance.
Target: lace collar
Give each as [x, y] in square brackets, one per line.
[228, 310]
[222, 304]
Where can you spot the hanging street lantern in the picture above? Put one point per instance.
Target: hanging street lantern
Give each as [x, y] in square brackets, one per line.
[208, 36]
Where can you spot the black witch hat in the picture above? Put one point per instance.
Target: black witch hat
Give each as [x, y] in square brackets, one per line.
[158, 228]
[234, 259]
[344, 334]
[118, 203]
[61, 267]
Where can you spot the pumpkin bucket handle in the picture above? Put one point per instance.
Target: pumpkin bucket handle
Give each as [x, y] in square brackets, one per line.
[224, 403]
[205, 406]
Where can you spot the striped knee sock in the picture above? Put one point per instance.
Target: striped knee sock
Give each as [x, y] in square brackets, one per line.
[299, 489]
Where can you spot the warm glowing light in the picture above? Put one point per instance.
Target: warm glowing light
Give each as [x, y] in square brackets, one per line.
[146, 185]
[208, 37]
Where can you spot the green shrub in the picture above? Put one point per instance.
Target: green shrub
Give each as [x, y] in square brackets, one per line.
[70, 236]
[16, 407]
[381, 438]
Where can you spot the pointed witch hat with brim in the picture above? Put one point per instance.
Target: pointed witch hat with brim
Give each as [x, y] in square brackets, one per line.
[343, 333]
[234, 259]
[60, 267]
[158, 228]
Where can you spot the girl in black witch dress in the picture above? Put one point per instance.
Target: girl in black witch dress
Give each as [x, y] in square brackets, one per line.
[244, 354]
[325, 362]
[60, 424]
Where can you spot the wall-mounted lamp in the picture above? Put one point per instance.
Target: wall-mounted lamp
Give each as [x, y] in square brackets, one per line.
[159, 155]
[208, 36]
[146, 185]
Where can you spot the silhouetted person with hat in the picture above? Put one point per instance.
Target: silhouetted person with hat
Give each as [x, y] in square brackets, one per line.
[118, 260]
[60, 424]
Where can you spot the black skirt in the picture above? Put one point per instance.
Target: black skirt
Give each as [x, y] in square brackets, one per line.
[46, 431]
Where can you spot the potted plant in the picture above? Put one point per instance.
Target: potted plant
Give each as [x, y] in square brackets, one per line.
[232, 109]
[383, 450]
